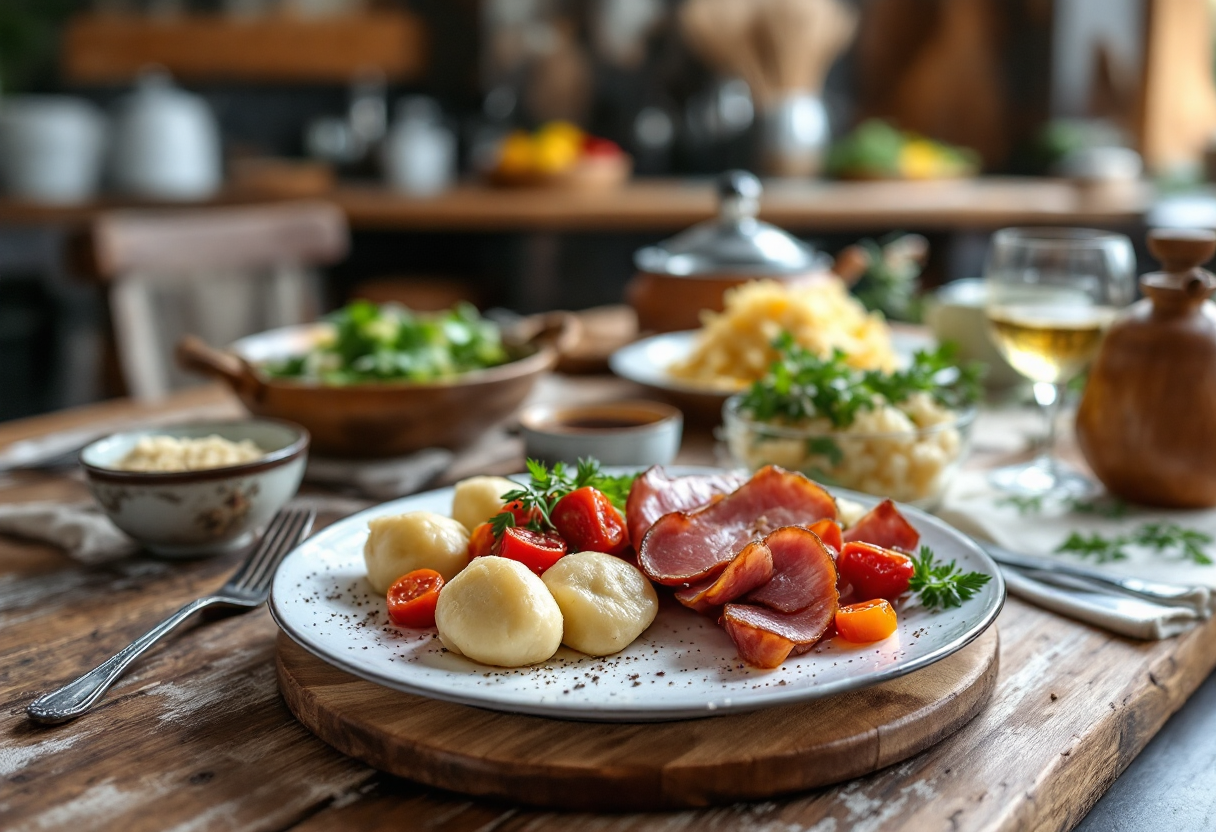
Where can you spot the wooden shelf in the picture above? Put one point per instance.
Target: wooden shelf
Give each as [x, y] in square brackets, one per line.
[105, 48]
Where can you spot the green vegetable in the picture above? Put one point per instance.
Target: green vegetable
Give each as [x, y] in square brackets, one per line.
[943, 584]
[391, 343]
[548, 485]
[1161, 538]
[800, 385]
[1024, 504]
[1094, 546]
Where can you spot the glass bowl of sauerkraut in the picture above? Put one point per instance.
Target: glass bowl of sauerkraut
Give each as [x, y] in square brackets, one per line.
[901, 434]
[909, 453]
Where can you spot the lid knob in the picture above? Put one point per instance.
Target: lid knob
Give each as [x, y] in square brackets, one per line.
[739, 192]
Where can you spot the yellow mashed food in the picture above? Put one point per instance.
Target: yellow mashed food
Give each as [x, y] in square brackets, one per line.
[168, 453]
[735, 346]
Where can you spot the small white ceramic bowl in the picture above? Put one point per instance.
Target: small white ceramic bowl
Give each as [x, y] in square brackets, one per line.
[616, 433]
[186, 514]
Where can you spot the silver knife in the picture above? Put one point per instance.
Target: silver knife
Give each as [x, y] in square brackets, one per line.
[1198, 598]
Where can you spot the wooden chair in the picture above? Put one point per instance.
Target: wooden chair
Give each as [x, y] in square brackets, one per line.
[219, 273]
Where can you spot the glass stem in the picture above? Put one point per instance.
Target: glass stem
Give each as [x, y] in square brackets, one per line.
[1049, 397]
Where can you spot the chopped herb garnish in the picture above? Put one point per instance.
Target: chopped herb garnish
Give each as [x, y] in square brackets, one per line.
[1111, 507]
[943, 584]
[1162, 538]
[1024, 505]
[1101, 549]
[802, 385]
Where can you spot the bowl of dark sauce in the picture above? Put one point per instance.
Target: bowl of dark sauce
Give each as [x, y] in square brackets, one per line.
[615, 433]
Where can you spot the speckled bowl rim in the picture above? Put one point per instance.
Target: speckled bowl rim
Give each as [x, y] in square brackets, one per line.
[292, 451]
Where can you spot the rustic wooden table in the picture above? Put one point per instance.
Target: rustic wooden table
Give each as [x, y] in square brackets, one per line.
[197, 736]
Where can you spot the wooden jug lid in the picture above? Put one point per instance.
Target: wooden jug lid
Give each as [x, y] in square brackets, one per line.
[1182, 252]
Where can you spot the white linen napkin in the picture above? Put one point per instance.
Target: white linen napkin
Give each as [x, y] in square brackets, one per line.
[975, 508]
[82, 530]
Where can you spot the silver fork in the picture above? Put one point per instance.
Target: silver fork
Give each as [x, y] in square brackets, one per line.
[247, 589]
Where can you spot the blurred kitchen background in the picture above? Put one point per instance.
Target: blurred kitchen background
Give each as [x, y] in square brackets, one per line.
[517, 153]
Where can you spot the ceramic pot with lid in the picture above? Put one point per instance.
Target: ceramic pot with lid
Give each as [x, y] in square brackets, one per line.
[1147, 421]
[680, 277]
[51, 148]
[166, 142]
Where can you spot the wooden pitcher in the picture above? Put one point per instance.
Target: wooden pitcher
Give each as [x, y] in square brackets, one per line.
[1147, 421]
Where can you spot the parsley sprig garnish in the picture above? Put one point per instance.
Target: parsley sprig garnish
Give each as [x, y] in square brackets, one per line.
[943, 584]
[801, 385]
[547, 486]
[1162, 538]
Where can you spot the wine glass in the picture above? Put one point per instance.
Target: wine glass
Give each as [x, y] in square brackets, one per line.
[1052, 293]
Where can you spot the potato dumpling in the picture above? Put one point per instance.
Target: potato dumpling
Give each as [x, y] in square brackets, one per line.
[498, 612]
[479, 498]
[416, 540]
[606, 603]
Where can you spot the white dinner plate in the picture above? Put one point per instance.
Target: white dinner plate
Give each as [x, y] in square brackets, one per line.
[647, 361]
[683, 666]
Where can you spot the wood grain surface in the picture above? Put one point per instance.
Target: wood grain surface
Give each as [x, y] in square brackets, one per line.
[668, 205]
[198, 737]
[614, 767]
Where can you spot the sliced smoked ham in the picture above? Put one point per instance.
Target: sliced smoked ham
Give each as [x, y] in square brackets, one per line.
[884, 526]
[752, 567]
[656, 493]
[793, 610]
[684, 548]
[765, 638]
[801, 564]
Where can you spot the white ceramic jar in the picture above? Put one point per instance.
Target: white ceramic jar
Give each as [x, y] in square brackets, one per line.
[166, 143]
[419, 153]
[51, 148]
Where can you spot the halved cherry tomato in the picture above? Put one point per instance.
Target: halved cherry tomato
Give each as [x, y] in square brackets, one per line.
[587, 520]
[829, 532]
[481, 541]
[412, 597]
[873, 571]
[523, 516]
[534, 550]
[867, 621]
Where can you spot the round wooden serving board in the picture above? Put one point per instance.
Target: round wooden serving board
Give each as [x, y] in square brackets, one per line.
[657, 765]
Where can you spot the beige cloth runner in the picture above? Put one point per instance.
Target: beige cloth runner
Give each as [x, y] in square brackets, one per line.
[978, 510]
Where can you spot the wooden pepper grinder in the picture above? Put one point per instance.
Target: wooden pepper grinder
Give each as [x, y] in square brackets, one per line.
[1147, 421]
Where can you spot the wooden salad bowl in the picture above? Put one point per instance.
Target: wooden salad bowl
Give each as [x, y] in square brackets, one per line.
[385, 418]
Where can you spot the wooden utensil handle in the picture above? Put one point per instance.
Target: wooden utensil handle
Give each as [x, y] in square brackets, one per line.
[194, 354]
[560, 330]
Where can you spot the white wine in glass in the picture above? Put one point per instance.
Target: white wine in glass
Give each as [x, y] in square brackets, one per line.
[1052, 293]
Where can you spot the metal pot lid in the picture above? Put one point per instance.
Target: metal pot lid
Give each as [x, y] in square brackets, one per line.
[734, 242]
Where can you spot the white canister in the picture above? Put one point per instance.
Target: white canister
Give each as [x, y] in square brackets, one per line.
[419, 153]
[794, 135]
[51, 148]
[166, 143]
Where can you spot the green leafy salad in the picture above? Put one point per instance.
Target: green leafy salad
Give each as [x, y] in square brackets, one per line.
[392, 343]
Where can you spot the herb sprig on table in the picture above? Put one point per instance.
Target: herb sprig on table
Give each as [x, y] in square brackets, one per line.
[942, 584]
[547, 486]
[802, 385]
[1162, 538]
